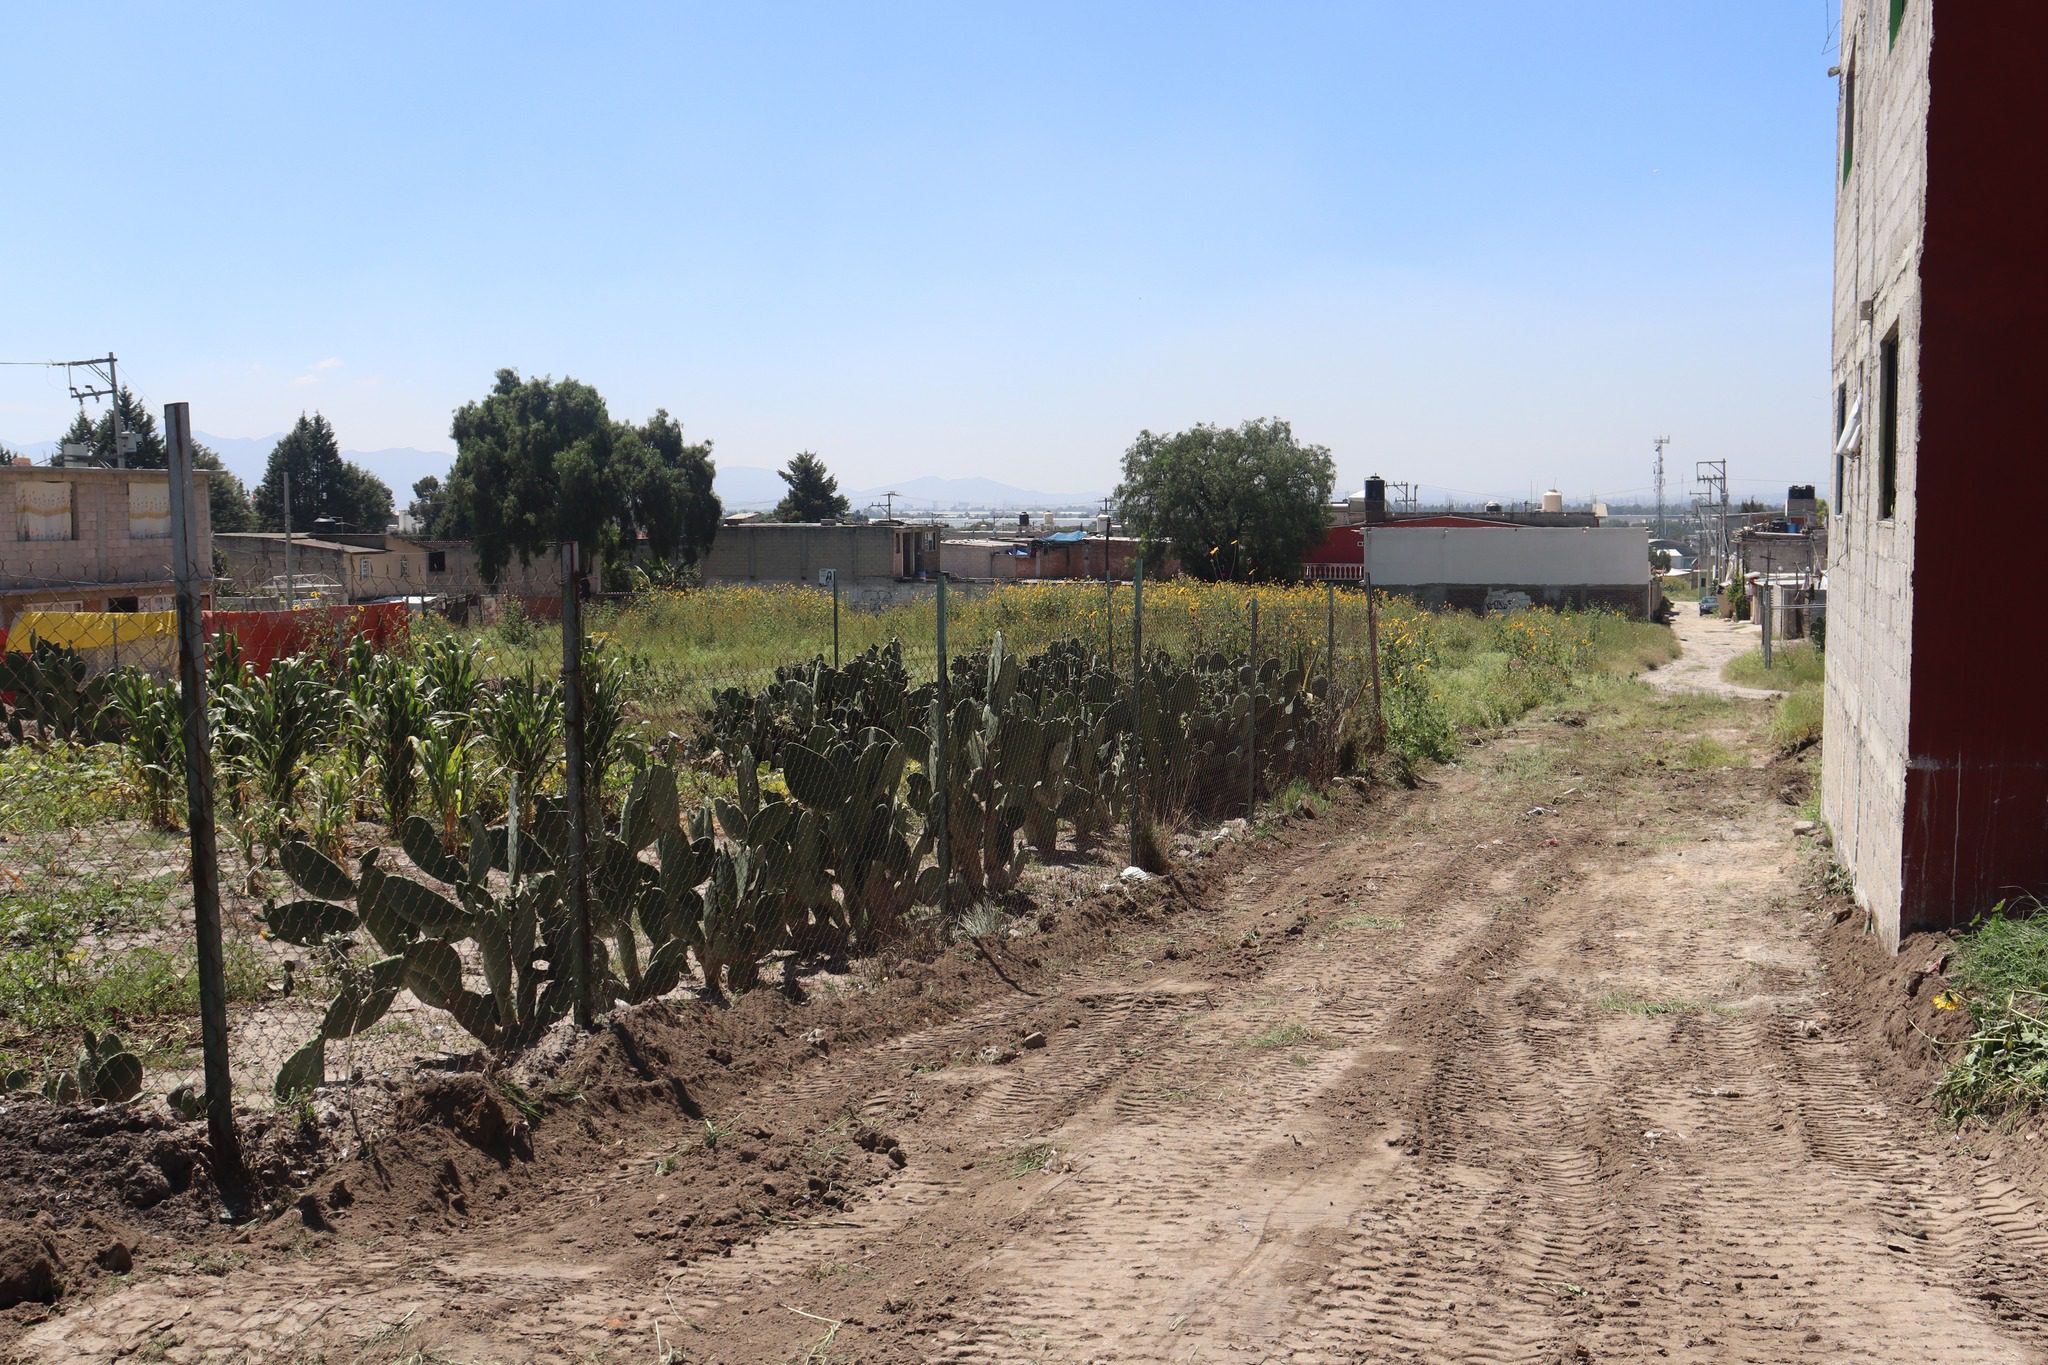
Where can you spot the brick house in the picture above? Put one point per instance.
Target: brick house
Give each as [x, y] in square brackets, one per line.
[1936, 758]
[90, 539]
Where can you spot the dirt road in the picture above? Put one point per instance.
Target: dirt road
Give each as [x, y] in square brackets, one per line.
[1707, 644]
[1537, 1063]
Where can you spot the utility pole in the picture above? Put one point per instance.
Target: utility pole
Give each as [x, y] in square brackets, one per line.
[1660, 443]
[1712, 477]
[889, 504]
[100, 367]
[291, 601]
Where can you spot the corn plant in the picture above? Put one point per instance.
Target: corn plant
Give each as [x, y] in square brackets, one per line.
[605, 737]
[356, 730]
[398, 719]
[332, 808]
[523, 724]
[278, 721]
[451, 682]
[154, 748]
[447, 768]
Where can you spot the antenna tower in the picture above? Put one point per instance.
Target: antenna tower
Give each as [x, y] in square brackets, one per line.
[1661, 442]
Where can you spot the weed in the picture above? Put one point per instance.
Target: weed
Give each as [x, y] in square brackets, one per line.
[2001, 973]
[52, 982]
[1285, 1035]
[1797, 720]
[1707, 752]
[981, 921]
[1628, 1003]
[1791, 665]
[1026, 1160]
[45, 790]
[1368, 922]
[714, 1132]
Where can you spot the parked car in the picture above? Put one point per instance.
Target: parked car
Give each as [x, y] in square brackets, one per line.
[1709, 604]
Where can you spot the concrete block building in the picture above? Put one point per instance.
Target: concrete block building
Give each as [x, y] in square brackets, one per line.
[374, 567]
[90, 539]
[863, 555]
[1936, 767]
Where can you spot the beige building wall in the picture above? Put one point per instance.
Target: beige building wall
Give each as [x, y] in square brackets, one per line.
[90, 536]
[1880, 215]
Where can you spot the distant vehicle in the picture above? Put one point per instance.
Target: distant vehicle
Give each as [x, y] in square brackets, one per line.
[1709, 604]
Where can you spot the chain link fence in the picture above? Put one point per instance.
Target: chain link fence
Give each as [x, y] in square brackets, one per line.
[285, 854]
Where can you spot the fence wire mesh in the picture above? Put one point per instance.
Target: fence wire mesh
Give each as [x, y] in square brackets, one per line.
[776, 787]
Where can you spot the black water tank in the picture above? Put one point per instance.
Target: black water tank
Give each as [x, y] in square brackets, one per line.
[1375, 499]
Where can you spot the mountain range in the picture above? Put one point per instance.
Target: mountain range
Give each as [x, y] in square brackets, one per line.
[740, 487]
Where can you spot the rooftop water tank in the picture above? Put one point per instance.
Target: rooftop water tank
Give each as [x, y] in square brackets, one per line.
[1553, 501]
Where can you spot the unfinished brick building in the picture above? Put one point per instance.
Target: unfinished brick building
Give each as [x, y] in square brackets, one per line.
[1936, 770]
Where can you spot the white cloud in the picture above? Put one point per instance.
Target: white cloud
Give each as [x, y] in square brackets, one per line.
[312, 376]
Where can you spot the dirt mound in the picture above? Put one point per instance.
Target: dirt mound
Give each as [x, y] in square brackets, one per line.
[472, 1109]
[1889, 998]
[66, 1160]
[28, 1267]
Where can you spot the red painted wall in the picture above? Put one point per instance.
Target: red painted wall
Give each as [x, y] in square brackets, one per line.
[1977, 776]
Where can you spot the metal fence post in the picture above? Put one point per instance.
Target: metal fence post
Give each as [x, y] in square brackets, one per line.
[1330, 642]
[580, 958]
[1330, 669]
[835, 616]
[1251, 724]
[1763, 603]
[942, 786]
[1108, 608]
[1137, 704]
[213, 995]
[1372, 639]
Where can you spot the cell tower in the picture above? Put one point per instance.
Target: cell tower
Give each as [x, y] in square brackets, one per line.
[1661, 442]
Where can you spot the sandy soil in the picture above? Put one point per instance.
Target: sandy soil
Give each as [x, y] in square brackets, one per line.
[1541, 1062]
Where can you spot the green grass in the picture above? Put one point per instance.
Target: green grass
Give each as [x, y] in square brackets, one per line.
[1284, 1035]
[56, 982]
[2001, 973]
[1707, 753]
[1793, 664]
[1797, 718]
[58, 788]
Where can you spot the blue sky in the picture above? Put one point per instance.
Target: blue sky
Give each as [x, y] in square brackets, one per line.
[1482, 246]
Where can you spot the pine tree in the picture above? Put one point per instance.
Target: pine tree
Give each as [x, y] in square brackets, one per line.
[323, 484]
[813, 494]
[227, 501]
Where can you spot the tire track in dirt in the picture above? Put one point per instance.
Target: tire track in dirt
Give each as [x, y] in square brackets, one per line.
[1448, 1081]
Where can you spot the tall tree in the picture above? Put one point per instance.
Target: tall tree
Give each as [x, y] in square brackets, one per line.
[663, 486]
[427, 502]
[540, 461]
[324, 485]
[813, 494]
[227, 502]
[1235, 503]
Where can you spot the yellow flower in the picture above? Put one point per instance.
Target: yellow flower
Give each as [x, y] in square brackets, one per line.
[1948, 1000]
